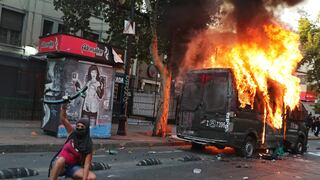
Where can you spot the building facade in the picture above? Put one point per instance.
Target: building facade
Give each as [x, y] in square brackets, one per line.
[22, 76]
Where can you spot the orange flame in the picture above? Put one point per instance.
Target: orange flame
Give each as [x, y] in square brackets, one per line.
[262, 64]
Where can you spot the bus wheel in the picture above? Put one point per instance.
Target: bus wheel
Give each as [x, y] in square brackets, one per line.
[248, 148]
[197, 146]
[298, 148]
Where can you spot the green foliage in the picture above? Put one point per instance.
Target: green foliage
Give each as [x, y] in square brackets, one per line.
[310, 43]
[173, 20]
[316, 106]
[77, 13]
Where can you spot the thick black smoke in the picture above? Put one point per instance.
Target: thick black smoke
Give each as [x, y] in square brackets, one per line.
[181, 18]
[254, 13]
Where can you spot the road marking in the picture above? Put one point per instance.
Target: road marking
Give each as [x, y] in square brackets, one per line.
[164, 152]
[99, 156]
[314, 153]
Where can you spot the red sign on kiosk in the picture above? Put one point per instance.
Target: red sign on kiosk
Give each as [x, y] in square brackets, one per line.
[62, 43]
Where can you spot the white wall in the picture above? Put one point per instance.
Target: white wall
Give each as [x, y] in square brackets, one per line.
[36, 11]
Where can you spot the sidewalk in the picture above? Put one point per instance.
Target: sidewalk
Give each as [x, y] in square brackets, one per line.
[27, 136]
[311, 136]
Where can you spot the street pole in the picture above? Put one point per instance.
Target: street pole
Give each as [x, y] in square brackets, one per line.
[155, 98]
[123, 119]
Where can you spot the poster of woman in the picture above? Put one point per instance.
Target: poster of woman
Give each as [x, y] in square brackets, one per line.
[95, 103]
[93, 96]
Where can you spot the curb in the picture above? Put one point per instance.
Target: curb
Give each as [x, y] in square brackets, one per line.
[25, 148]
[314, 138]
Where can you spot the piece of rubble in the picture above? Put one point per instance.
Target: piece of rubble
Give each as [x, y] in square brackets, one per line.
[244, 178]
[33, 133]
[112, 152]
[196, 171]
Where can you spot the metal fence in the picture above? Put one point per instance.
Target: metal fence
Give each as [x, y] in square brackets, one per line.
[19, 109]
[147, 105]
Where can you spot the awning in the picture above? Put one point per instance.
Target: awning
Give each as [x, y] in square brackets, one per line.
[308, 96]
[73, 45]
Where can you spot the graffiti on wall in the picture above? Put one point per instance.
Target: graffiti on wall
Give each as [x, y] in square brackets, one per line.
[52, 91]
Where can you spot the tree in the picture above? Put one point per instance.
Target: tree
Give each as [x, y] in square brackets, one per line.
[77, 13]
[164, 28]
[317, 106]
[310, 44]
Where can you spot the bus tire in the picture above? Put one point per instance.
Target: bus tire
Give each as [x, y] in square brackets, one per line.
[248, 147]
[299, 146]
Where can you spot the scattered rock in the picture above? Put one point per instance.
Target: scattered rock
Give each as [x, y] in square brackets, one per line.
[190, 158]
[112, 176]
[112, 152]
[33, 133]
[196, 171]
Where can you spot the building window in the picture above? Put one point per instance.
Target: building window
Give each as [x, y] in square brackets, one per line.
[47, 27]
[91, 36]
[61, 28]
[11, 27]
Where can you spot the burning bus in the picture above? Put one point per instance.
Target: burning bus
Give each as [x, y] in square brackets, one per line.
[240, 87]
[210, 113]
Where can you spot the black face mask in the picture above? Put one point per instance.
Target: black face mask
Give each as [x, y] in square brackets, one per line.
[81, 132]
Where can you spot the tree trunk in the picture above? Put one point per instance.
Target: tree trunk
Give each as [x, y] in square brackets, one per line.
[161, 127]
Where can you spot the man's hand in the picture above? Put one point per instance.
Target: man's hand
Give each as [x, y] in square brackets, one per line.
[64, 119]
[63, 112]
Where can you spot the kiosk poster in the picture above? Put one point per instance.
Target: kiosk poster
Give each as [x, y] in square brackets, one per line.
[52, 91]
[95, 104]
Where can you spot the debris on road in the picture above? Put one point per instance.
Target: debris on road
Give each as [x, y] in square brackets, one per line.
[222, 157]
[244, 178]
[152, 152]
[33, 133]
[112, 152]
[196, 171]
[190, 158]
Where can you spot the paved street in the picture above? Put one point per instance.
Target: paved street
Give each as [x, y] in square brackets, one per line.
[123, 164]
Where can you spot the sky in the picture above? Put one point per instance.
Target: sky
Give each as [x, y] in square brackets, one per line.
[291, 16]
